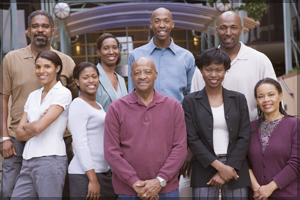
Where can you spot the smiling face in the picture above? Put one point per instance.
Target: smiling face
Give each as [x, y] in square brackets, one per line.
[268, 98]
[40, 31]
[88, 81]
[143, 74]
[46, 71]
[213, 75]
[229, 29]
[161, 24]
[109, 52]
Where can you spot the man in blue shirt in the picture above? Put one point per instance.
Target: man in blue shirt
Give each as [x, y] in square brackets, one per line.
[175, 65]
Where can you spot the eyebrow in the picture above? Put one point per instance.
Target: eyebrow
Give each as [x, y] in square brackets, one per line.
[38, 24]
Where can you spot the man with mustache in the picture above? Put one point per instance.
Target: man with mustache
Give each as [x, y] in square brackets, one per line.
[18, 80]
[145, 139]
[174, 64]
[248, 66]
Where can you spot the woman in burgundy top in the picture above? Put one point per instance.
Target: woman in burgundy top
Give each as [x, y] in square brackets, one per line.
[274, 166]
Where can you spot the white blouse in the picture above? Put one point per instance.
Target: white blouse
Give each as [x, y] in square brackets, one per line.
[87, 127]
[50, 141]
[220, 131]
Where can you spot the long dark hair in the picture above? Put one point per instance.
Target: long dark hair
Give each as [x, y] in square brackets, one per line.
[261, 116]
[54, 58]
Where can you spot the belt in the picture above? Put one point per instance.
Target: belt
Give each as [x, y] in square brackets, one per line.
[221, 155]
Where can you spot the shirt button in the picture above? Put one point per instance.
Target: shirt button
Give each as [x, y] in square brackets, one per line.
[227, 117]
[230, 128]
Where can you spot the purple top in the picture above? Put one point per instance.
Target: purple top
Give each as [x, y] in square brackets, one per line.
[144, 142]
[279, 161]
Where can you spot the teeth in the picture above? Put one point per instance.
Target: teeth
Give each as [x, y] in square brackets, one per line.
[267, 106]
[111, 58]
[91, 86]
[213, 81]
[162, 31]
[43, 77]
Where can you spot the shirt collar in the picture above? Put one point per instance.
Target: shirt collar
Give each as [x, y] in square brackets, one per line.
[56, 86]
[28, 53]
[152, 46]
[242, 52]
[158, 98]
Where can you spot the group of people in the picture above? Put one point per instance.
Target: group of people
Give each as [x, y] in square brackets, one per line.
[176, 119]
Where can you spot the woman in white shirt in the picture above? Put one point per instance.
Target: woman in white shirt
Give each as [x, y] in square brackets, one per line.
[89, 173]
[42, 125]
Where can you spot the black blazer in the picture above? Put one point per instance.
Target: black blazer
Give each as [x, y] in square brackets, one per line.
[199, 124]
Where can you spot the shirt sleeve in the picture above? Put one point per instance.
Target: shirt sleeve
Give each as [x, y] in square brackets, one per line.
[179, 151]
[197, 81]
[130, 82]
[190, 74]
[268, 68]
[292, 168]
[5, 77]
[63, 98]
[112, 149]
[78, 119]
[200, 151]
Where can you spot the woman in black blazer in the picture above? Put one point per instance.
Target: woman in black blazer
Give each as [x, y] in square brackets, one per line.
[218, 129]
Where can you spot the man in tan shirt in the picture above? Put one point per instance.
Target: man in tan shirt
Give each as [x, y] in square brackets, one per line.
[18, 80]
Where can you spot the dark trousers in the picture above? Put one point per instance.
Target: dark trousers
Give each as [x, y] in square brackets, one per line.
[69, 149]
[79, 186]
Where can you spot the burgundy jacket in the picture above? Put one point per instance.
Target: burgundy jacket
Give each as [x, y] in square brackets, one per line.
[281, 159]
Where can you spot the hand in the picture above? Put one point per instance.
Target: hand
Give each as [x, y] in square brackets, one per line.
[257, 195]
[44, 113]
[138, 186]
[227, 173]
[93, 190]
[265, 191]
[8, 149]
[187, 165]
[216, 180]
[151, 189]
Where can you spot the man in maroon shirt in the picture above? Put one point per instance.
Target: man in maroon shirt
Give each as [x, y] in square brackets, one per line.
[145, 138]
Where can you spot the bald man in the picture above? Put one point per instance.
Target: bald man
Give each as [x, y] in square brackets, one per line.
[145, 138]
[248, 66]
[174, 64]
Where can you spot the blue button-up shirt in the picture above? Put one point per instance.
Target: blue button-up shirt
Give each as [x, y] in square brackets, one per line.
[175, 67]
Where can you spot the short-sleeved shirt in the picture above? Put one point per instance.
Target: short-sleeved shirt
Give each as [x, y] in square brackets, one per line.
[18, 79]
[175, 67]
[50, 141]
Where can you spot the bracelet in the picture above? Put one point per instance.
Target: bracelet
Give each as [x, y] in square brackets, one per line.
[2, 139]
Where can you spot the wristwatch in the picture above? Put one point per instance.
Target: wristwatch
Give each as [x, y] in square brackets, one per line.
[162, 182]
[2, 139]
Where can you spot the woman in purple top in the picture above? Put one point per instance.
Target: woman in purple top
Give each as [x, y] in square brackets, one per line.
[272, 156]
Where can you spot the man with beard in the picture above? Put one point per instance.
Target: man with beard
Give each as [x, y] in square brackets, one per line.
[18, 79]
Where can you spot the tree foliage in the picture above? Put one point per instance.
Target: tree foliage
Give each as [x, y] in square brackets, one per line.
[255, 8]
